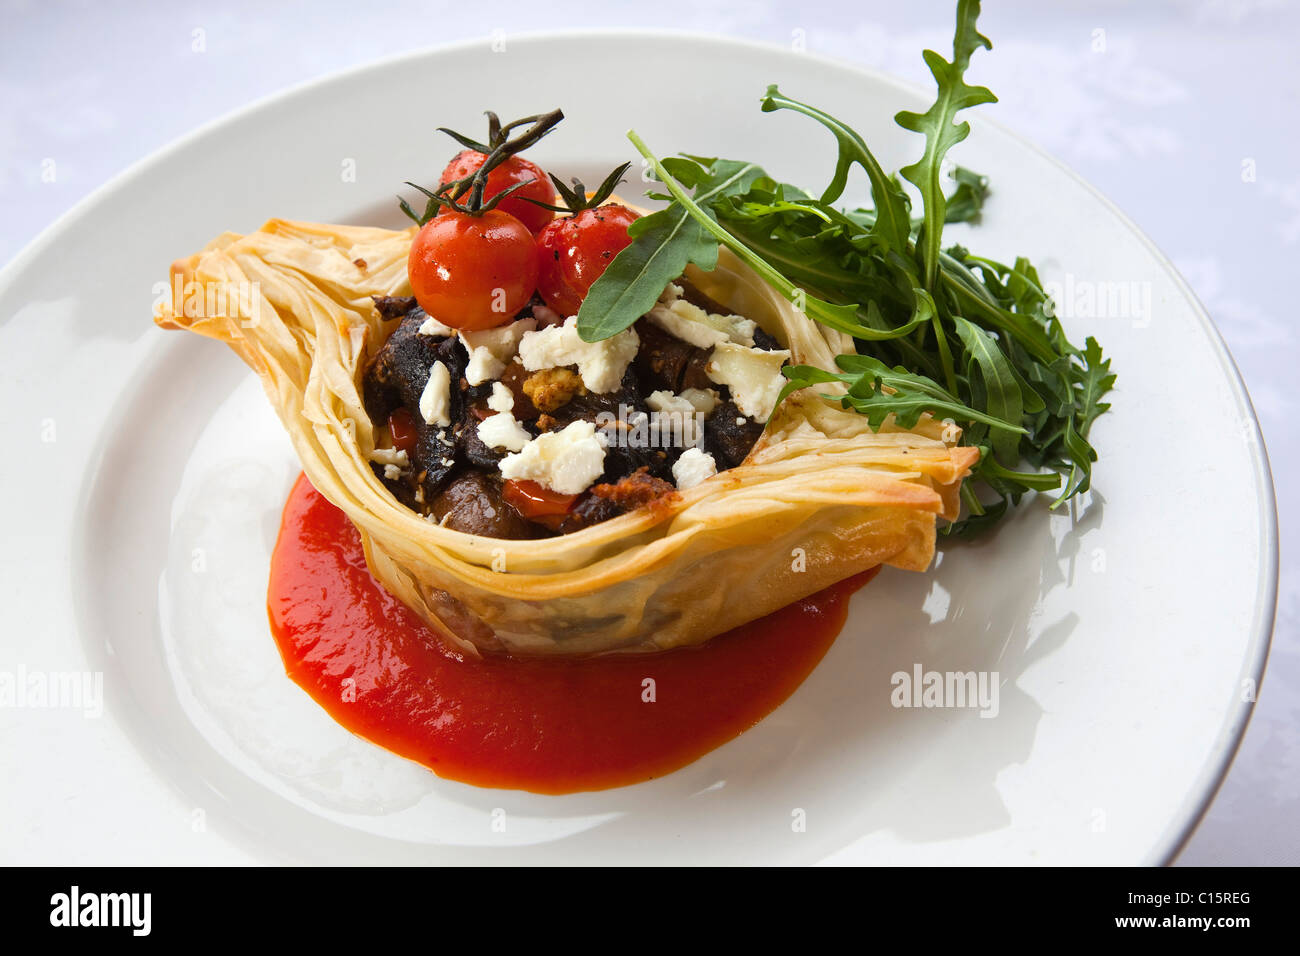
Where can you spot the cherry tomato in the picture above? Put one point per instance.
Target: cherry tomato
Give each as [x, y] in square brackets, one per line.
[536, 501]
[573, 252]
[473, 272]
[515, 169]
[401, 425]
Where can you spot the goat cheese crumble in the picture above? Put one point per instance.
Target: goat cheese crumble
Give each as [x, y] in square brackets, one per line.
[753, 375]
[435, 400]
[693, 467]
[600, 364]
[490, 349]
[567, 461]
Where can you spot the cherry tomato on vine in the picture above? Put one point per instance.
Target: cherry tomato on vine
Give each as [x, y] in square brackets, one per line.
[573, 252]
[473, 272]
[515, 169]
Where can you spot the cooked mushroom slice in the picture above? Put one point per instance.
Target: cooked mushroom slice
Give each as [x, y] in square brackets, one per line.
[729, 435]
[588, 510]
[666, 362]
[395, 306]
[470, 447]
[472, 503]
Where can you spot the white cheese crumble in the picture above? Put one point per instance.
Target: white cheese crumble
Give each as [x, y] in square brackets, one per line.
[391, 456]
[693, 467]
[503, 430]
[666, 401]
[702, 400]
[693, 333]
[566, 461]
[490, 349]
[432, 326]
[600, 364]
[675, 416]
[435, 400]
[705, 400]
[753, 375]
[693, 325]
[501, 399]
[392, 472]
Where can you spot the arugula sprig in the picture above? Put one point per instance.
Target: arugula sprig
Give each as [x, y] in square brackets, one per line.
[941, 131]
[843, 318]
[892, 223]
[878, 391]
[937, 331]
[663, 245]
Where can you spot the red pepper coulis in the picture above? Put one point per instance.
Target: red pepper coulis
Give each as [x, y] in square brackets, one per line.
[548, 726]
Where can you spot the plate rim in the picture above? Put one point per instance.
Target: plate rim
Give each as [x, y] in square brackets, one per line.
[1171, 842]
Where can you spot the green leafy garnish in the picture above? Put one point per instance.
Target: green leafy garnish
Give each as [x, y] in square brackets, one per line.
[941, 132]
[839, 317]
[967, 200]
[663, 245]
[938, 331]
[892, 224]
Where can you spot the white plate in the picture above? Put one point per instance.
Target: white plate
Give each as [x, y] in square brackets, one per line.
[145, 477]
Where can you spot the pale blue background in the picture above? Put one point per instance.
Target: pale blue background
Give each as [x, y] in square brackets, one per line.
[1160, 110]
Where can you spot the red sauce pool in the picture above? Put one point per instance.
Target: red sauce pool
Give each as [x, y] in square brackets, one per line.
[549, 726]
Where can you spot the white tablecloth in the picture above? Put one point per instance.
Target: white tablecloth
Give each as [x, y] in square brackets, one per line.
[1184, 113]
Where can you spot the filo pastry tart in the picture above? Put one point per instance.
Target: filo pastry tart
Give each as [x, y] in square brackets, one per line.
[820, 496]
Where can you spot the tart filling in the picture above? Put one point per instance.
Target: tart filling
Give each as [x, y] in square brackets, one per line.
[526, 431]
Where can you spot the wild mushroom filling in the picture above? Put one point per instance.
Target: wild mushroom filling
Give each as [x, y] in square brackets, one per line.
[526, 431]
